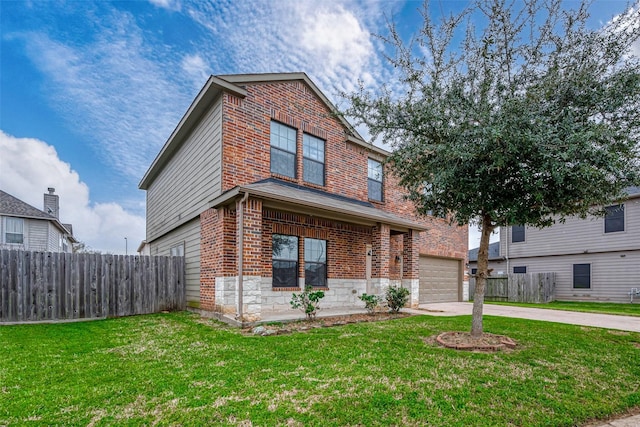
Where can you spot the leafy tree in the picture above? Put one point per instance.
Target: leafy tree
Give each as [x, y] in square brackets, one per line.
[531, 118]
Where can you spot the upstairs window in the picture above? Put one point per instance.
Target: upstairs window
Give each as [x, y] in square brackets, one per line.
[313, 159]
[582, 276]
[283, 150]
[374, 180]
[14, 231]
[517, 233]
[315, 262]
[285, 261]
[614, 219]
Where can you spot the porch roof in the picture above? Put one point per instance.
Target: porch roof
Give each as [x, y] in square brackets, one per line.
[291, 197]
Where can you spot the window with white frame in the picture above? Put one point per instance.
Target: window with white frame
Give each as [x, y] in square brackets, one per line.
[374, 180]
[517, 233]
[14, 230]
[313, 159]
[614, 219]
[283, 150]
[582, 276]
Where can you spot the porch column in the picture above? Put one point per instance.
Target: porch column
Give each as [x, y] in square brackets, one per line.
[217, 242]
[411, 265]
[252, 268]
[380, 258]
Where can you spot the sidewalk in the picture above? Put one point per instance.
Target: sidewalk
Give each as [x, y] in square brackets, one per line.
[607, 321]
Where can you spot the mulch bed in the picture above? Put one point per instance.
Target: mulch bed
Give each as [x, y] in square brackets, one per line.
[485, 343]
[320, 322]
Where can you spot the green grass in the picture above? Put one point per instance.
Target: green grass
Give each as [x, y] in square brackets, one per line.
[175, 369]
[586, 307]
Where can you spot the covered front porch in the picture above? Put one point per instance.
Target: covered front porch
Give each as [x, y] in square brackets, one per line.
[342, 246]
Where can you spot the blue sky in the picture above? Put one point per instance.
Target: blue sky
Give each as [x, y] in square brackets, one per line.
[90, 91]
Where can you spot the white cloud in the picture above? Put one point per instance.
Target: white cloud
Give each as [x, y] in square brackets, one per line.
[29, 166]
[111, 93]
[167, 4]
[332, 42]
[197, 69]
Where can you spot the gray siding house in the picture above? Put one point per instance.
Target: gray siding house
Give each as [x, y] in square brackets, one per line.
[595, 259]
[497, 265]
[24, 227]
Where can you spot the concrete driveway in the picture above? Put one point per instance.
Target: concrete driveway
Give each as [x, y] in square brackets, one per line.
[607, 321]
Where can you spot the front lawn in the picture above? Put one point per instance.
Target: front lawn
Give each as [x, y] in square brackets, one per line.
[175, 369]
[624, 309]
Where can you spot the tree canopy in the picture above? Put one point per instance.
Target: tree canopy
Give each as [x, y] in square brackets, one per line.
[528, 119]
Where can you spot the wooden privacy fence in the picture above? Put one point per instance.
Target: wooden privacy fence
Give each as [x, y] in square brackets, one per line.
[37, 286]
[529, 287]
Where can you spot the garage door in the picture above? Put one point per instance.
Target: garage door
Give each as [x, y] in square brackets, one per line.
[439, 278]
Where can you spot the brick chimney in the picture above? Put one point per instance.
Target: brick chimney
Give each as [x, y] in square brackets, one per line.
[52, 203]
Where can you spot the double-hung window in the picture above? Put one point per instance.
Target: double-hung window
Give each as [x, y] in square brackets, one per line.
[614, 219]
[285, 261]
[375, 179]
[315, 262]
[517, 233]
[283, 150]
[582, 276]
[313, 159]
[14, 232]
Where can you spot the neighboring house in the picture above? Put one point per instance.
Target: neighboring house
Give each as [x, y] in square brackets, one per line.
[265, 188]
[595, 259]
[497, 266]
[24, 227]
[143, 248]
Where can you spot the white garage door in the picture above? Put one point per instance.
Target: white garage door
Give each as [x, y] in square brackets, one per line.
[439, 279]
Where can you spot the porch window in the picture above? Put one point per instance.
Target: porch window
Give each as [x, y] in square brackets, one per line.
[285, 261]
[283, 150]
[14, 230]
[315, 262]
[313, 159]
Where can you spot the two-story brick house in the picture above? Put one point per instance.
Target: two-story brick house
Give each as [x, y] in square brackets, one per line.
[265, 188]
[595, 259]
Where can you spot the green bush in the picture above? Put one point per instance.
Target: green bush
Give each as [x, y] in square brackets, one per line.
[307, 301]
[397, 297]
[370, 302]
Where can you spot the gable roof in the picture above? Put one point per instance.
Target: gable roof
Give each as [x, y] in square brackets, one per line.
[233, 83]
[14, 207]
[311, 201]
[494, 252]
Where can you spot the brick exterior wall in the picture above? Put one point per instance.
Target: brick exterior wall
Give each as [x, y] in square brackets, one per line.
[346, 243]
[246, 159]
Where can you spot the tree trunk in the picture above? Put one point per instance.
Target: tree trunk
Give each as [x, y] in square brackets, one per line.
[481, 278]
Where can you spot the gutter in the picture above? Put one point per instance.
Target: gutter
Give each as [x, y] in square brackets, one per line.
[240, 248]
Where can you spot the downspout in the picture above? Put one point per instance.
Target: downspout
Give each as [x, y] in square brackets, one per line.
[240, 247]
[506, 256]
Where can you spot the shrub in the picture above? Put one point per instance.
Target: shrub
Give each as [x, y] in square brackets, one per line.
[307, 301]
[397, 297]
[370, 302]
